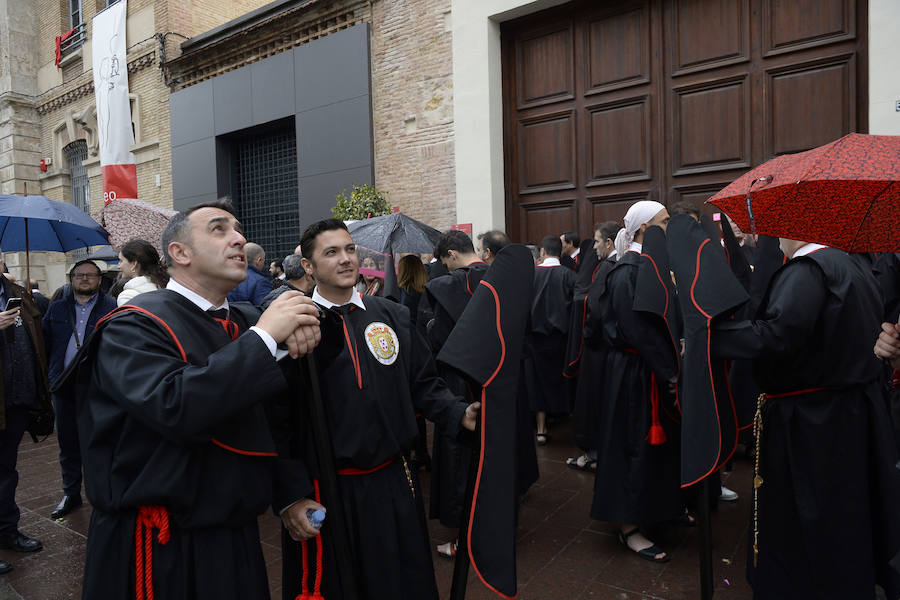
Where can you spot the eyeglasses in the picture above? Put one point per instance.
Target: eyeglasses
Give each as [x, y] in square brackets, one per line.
[85, 276]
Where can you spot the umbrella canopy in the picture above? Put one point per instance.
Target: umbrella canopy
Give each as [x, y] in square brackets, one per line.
[51, 226]
[845, 194]
[393, 234]
[128, 218]
[104, 253]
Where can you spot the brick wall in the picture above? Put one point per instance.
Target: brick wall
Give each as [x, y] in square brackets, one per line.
[412, 98]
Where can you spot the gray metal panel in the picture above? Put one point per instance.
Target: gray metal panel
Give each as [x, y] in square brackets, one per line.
[183, 203]
[231, 101]
[334, 137]
[194, 168]
[272, 88]
[332, 68]
[317, 192]
[190, 116]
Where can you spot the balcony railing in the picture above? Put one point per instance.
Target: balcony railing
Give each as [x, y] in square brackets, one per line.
[74, 41]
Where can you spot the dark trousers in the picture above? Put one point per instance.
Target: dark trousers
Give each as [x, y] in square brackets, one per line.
[16, 421]
[69, 450]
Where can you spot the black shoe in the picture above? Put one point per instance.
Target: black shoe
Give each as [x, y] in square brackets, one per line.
[5, 567]
[65, 506]
[20, 542]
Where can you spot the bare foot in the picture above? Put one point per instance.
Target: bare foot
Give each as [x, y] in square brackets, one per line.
[637, 542]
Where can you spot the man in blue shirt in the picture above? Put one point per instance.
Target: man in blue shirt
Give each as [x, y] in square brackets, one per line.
[257, 285]
[67, 323]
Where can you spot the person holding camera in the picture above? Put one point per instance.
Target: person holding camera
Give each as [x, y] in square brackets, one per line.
[67, 323]
[24, 387]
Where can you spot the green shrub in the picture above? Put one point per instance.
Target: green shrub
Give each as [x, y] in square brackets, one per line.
[363, 202]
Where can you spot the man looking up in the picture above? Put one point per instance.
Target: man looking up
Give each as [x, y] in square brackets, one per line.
[178, 457]
[68, 323]
[372, 391]
[255, 287]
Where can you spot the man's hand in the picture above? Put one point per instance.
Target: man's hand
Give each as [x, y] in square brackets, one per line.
[295, 521]
[8, 317]
[294, 319]
[470, 418]
[887, 345]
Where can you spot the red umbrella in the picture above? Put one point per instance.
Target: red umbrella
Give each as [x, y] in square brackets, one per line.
[845, 194]
[126, 219]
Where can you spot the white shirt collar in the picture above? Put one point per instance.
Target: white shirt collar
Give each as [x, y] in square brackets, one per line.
[808, 249]
[612, 255]
[577, 251]
[201, 302]
[550, 261]
[635, 247]
[355, 299]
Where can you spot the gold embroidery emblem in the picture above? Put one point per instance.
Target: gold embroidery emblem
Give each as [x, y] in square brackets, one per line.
[382, 342]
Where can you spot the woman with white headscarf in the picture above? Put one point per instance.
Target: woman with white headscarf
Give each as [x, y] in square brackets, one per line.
[638, 479]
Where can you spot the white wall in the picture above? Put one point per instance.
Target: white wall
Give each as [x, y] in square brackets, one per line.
[884, 66]
[478, 106]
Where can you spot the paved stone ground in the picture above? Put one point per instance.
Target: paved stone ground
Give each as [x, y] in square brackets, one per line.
[562, 553]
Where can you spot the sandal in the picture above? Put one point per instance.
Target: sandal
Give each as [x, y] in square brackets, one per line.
[647, 553]
[447, 550]
[582, 463]
[542, 439]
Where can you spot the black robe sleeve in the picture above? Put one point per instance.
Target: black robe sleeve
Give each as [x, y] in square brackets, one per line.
[183, 403]
[431, 396]
[795, 300]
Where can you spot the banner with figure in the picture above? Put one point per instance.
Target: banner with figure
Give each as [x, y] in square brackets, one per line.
[113, 108]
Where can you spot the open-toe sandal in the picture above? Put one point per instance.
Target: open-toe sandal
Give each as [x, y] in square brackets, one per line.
[647, 553]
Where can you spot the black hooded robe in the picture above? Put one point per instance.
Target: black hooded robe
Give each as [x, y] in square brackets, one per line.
[828, 519]
[166, 420]
[636, 482]
[545, 360]
[372, 390]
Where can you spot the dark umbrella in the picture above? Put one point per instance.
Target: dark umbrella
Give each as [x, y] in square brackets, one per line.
[38, 223]
[104, 253]
[394, 233]
[845, 194]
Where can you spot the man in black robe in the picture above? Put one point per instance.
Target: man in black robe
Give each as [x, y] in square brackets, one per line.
[372, 391]
[637, 481]
[545, 356]
[570, 250]
[826, 521]
[490, 243]
[177, 453]
[449, 296]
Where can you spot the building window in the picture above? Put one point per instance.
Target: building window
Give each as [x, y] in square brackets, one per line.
[75, 13]
[76, 153]
[265, 190]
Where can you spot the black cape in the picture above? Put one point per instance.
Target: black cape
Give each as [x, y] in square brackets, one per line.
[451, 458]
[708, 291]
[373, 388]
[486, 345]
[165, 419]
[575, 339]
[637, 482]
[545, 360]
[828, 519]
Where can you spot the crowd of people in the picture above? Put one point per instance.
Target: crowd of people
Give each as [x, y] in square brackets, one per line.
[205, 419]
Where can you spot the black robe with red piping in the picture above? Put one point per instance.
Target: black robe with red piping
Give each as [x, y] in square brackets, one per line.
[372, 390]
[637, 482]
[708, 291]
[575, 339]
[486, 346]
[450, 458]
[545, 358]
[591, 363]
[828, 518]
[170, 414]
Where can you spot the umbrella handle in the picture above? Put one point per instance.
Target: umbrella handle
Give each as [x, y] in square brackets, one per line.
[764, 179]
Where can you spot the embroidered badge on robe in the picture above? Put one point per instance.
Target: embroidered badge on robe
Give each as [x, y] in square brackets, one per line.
[382, 342]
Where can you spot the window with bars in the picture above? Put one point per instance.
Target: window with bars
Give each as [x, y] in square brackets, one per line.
[265, 190]
[76, 153]
[75, 13]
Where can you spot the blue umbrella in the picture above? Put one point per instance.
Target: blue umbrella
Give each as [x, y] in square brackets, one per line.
[38, 223]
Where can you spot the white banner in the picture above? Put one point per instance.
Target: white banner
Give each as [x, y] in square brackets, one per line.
[113, 108]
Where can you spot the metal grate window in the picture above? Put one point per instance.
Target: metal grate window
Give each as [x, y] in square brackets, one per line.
[265, 191]
[76, 153]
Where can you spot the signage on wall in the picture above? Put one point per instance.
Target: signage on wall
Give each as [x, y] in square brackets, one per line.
[464, 227]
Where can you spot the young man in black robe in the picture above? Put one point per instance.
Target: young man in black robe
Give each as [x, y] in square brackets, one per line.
[177, 453]
[372, 391]
[637, 481]
[449, 296]
[825, 522]
[545, 357]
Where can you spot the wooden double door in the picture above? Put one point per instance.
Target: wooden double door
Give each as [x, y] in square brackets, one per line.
[610, 102]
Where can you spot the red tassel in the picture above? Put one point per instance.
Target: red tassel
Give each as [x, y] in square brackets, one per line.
[656, 435]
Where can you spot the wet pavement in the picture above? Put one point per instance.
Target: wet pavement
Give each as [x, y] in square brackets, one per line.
[561, 552]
